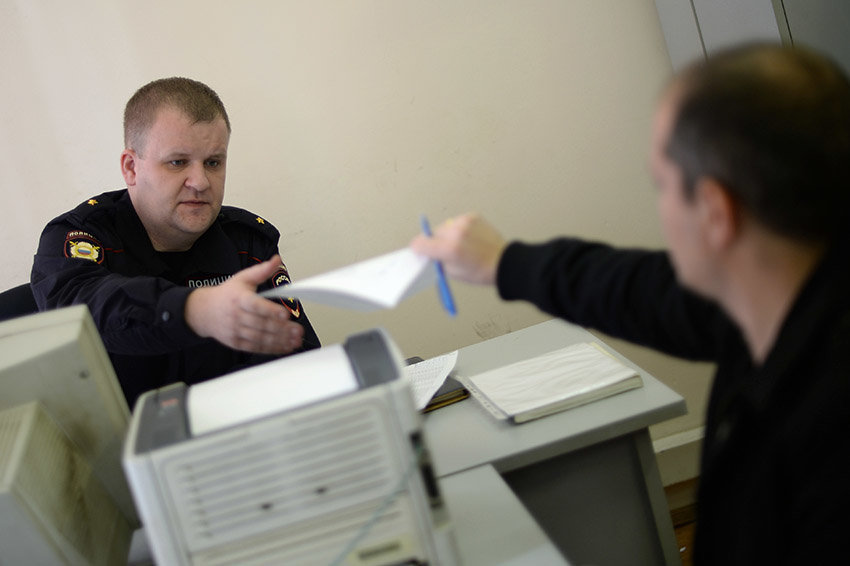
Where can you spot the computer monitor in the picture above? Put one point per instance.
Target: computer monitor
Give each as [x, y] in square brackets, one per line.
[63, 419]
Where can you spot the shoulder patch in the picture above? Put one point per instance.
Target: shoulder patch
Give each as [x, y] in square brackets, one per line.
[251, 220]
[96, 205]
[82, 245]
[281, 277]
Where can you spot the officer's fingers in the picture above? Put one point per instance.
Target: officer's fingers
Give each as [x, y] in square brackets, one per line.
[267, 322]
[274, 339]
[259, 308]
[258, 274]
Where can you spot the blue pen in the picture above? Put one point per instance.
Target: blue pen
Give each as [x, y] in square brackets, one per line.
[442, 283]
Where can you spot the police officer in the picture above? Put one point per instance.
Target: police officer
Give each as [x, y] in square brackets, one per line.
[168, 273]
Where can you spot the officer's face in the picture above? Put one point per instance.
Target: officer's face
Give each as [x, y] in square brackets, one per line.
[176, 181]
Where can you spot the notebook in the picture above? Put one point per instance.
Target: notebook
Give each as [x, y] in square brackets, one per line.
[553, 382]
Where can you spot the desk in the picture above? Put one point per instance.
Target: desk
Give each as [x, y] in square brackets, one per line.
[588, 475]
[491, 526]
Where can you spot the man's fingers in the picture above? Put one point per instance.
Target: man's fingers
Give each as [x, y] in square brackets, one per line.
[258, 274]
[426, 246]
[263, 326]
[273, 339]
[259, 306]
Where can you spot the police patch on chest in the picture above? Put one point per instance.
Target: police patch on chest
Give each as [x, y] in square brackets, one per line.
[82, 245]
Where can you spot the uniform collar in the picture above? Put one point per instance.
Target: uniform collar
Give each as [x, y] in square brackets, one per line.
[212, 253]
[132, 233]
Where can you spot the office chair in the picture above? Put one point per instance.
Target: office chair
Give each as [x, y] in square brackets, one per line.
[17, 301]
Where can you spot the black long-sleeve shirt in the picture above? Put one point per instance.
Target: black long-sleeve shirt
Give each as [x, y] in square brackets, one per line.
[773, 481]
[99, 254]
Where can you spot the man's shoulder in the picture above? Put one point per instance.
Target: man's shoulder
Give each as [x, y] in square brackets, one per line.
[102, 205]
[231, 216]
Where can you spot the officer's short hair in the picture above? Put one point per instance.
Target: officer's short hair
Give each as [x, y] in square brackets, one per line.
[772, 124]
[198, 101]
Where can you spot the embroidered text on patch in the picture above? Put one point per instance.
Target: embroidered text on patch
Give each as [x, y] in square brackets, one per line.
[208, 282]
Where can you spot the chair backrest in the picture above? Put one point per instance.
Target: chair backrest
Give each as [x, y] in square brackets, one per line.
[17, 301]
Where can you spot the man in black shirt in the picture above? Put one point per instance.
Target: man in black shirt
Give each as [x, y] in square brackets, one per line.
[751, 156]
[168, 273]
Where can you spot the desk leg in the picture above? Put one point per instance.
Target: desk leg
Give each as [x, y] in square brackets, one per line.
[657, 498]
[602, 505]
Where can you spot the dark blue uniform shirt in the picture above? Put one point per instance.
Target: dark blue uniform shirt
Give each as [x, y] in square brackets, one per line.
[100, 255]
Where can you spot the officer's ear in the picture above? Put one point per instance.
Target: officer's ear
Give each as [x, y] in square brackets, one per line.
[128, 166]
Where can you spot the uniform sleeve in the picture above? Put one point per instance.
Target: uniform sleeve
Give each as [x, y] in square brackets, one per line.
[294, 306]
[134, 315]
[262, 249]
[629, 294]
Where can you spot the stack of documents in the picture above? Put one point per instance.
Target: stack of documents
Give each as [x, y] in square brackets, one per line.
[553, 382]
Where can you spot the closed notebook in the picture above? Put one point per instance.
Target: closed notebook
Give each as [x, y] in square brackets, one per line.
[552, 382]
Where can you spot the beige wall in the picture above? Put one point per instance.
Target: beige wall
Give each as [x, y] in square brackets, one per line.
[352, 118]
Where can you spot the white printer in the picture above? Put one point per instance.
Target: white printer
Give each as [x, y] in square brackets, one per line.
[316, 458]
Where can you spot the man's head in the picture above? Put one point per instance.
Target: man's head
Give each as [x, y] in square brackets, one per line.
[772, 125]
[176, 135]
[764, 131]
[196, 100]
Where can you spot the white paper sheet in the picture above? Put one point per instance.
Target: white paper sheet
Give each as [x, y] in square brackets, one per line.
[427, 376]
[380, 282]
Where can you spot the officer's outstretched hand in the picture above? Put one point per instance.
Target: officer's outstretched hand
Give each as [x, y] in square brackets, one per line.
[235, 315]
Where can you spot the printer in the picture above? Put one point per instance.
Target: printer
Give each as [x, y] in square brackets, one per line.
[317, 458]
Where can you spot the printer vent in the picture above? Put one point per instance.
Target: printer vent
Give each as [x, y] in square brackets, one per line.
[287, 486]
[320, 541]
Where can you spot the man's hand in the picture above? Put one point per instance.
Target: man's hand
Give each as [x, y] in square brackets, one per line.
[468, 246]
[235, 315]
